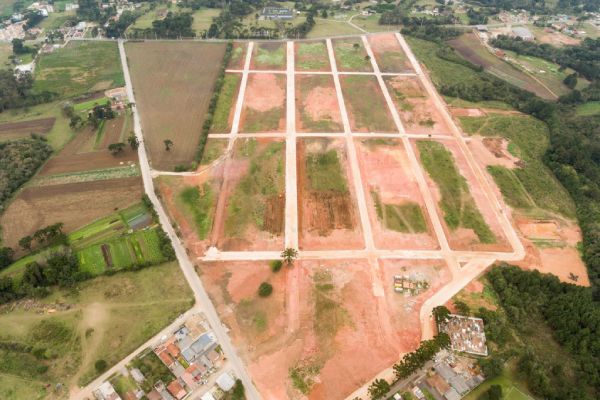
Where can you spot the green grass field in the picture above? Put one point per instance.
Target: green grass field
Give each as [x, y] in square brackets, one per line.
[88, 105]
[325, 172]
[200, 204]
[531, 187]
[367, 107]
[203, 18]
[350, 55]
[269, 56]
[456, 202]
[406, 217]
[79, 68]
[263, 183]
[98, 325]
[214, 149]
[227, 99]
[587, 109]
[311, 56]
[331, 27]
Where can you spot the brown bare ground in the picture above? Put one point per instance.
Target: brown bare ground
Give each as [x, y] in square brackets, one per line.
[417, 111]
[326, 220]
[79, 154]
[370, 334]
[265, 93]
[389, 54]
[386, 171]
[556, 38]
[74, 204]
[492, 151]
[173, 82]
[13, 130]
[318, 104]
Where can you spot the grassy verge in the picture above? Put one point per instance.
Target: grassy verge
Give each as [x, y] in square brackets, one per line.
[220, 123]
[457, 204]
[406, 217]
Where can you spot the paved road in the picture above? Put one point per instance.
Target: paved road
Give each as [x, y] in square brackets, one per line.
[202, 300]
[291, 186]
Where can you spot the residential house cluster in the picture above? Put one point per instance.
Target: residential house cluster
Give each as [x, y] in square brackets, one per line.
[467, 334]
[192, 354]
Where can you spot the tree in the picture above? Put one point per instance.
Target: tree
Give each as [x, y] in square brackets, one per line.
[133, 142]
[18, 47]
[6, 256]
[493, 393]
[168, 144]
[440, 313]
[378, 389]
[276, 265]
[265, 289]
[570, 81]
[238, 391]
[116, 148]
[462, 307]
[289, 255]
[25, 242]
[324, 13]
[356, 46]
[491, 366]
[100, 365]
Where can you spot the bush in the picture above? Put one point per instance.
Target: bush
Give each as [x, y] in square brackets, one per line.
[276, 265]
[265, 289]
[100, 366]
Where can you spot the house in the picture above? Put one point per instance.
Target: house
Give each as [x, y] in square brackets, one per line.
[165, 357]
[176, 389]
[276, 13]
[106, 391]
[137, 375]
[523, 33]
[225, 382]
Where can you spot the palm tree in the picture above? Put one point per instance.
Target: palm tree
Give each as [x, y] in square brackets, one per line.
[133, 141]
[289, 255]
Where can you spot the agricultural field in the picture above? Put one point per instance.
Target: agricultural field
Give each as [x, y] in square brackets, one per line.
[79, 68]
[350, 55]
[417, 111]
[17, 130]
[269, 56]
[317, 104]
[396, 207]
[38, 206]
[367, 108]
[75, 328]
[251, 203]
[327, 212]
[469, 47]
[264, 104]
[588, 109]
[173, 84]
[389, 54]
[311, 56]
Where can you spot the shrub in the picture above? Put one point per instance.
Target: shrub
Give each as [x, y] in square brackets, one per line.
[100, 366]
[265, 289]
[276, 265]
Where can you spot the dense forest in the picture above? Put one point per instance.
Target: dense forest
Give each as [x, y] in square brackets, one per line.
[530, 302]
[19, 160]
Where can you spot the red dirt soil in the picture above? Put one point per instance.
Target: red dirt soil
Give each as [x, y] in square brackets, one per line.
[387, 43]
[264, 92]
[386, 170]
[319, 103]
[326, 221]
[419, 106]
[465, 239]
[492, 151]
[376, 330]
[562, 259]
